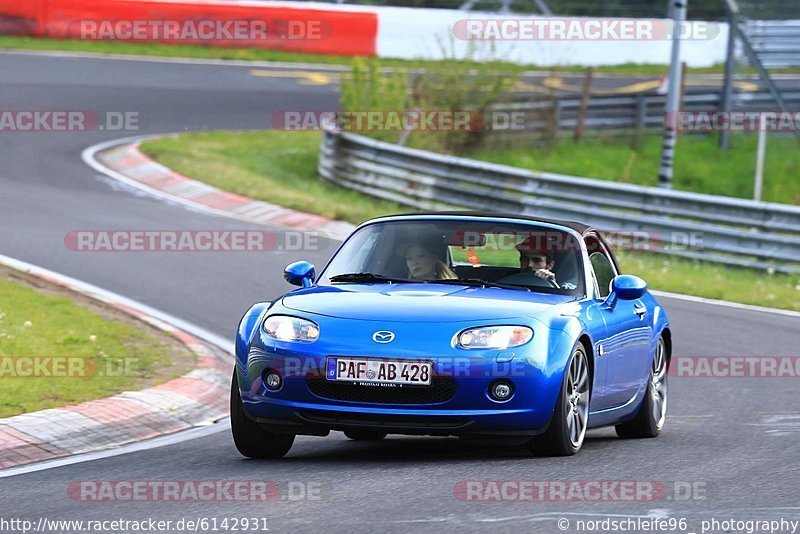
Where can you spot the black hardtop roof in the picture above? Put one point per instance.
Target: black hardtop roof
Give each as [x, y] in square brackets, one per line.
[578, 227]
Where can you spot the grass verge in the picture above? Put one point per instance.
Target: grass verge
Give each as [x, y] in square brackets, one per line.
[276, 166]
[253, 54]
[280, 167]
[112, 351]
[700, 166]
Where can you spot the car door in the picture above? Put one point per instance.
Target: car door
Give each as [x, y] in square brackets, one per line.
[623, 355]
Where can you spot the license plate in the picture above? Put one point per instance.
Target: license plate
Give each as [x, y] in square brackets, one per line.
[379, 371]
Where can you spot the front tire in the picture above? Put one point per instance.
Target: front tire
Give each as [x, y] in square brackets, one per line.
[564, 436]
[653, 410]
[249, 437]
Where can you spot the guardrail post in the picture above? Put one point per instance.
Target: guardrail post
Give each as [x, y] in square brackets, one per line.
[730, 65]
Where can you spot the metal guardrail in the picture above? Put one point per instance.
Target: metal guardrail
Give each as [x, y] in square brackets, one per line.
[634, 113]
[776, 42]
[733, 231]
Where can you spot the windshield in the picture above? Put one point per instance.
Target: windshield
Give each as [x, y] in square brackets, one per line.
[512, 256]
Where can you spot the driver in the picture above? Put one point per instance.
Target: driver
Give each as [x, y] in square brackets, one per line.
[532, 259]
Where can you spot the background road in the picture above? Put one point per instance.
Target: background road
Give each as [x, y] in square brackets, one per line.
[737, 439]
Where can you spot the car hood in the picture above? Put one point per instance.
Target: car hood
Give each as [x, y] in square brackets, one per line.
[419, 302]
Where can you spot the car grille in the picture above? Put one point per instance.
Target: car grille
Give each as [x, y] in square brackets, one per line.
[341, 420]
[441, 390]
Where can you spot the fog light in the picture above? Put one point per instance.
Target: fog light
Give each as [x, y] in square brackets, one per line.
[272, 380]
[501, 390]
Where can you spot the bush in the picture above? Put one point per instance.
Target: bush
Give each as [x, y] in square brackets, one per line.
[457, 84]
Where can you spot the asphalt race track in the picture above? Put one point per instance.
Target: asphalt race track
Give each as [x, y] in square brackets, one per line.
[736, 441]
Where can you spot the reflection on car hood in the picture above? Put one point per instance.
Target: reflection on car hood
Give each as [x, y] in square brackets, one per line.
[419, 302]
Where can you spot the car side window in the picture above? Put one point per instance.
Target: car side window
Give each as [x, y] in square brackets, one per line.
[604, 271]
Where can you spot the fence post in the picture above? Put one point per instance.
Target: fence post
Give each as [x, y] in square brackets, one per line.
[555, 124]
[673, 96]
[587, 89]
[730, 64]
[640, 119]
[681, 97]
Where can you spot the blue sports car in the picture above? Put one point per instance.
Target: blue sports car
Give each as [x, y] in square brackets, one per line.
[486, 326]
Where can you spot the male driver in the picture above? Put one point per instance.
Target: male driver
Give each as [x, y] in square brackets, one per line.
[536, 260]
[541, 262]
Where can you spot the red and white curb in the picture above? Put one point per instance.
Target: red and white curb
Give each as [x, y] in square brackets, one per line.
[123, 161]
[197, 398]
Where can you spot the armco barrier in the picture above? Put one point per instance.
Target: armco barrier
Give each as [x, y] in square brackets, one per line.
[342, 32]
[384, 31]
[626, 113]
[730, 230]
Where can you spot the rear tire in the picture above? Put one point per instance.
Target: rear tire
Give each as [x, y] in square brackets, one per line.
[251, 439]
[564, 436]
[653, 409]
[364, 435]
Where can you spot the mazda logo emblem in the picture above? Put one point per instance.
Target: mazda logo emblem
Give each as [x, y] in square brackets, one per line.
[384, 336]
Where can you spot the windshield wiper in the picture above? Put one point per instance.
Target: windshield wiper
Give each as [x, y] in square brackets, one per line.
[477, 282]
[369, 277]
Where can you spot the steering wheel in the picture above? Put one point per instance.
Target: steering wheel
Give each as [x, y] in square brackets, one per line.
[530, 279]
[551, 282]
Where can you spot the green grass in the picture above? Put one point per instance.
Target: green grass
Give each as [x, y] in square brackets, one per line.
[36, 324]
[699, 165]
[276, 166]
[280, 167]
[252, 54]
[714, 281]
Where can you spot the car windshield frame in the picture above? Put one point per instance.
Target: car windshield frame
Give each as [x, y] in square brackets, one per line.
[521, 226]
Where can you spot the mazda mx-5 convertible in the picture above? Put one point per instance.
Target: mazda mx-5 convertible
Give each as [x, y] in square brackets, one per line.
[491, 327]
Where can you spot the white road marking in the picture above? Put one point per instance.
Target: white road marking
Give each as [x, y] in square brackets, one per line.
[780, 424]
[276, 65]
[171, 439]
[726, 304]
[89, 157]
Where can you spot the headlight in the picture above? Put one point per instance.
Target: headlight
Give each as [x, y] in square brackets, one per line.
[286, 328]
[494, 337]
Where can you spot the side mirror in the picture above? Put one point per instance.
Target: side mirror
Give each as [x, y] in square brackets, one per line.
[299, 273]
[625, 287]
